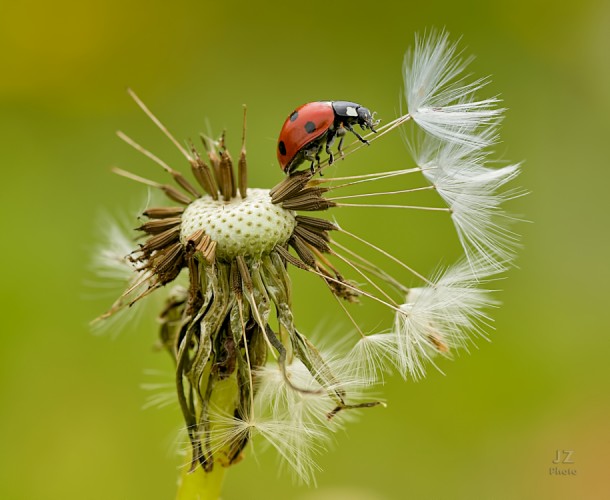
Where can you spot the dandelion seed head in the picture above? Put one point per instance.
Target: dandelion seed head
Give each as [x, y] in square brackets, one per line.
[248, 227]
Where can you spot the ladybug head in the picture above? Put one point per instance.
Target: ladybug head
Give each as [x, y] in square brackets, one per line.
[366, 119]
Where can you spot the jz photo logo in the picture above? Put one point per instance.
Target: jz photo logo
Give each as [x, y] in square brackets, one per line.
[563, 460]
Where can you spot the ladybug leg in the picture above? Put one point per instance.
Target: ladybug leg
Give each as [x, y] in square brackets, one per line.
[318, 150]
[312, 153]
[330, 139]
[341, 133]
[349, 127]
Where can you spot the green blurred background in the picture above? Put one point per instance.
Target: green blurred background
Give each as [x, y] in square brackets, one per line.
[71, 422]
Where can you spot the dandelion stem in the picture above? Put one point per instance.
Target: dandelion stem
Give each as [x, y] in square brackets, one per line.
[178, 177]
[242, 165]
[134, 177]
[389, 256]
[369, 280]
[356, 289]
[138, 147]
[365, 177]
[158, 123]
[351, 318]
[200, 484]
[375, 176]
[380, 193]
[374, 270]
[410, 207]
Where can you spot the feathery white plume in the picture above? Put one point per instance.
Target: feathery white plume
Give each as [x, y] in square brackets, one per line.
[444, 316]
[373, 356]
[438, 98]
[302, 408]
[301, 399]
[297, 441]
[110, 260]
[307, 397]
[111, 264]
[473, 192]
[294, 421]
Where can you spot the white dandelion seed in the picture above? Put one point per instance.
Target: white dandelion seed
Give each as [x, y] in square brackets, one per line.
[438, 98]
[443, 317]
[373, 356]
[113, 268]
[295, 395]
[304, 397]
[300, 410]
[296, 442]
[110, 260]
[475, 195]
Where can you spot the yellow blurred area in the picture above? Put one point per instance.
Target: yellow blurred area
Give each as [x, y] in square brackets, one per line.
[51, 43]
[58, 50]
[72, 424]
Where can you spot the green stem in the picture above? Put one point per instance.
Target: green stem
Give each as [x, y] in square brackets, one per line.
[200, 485]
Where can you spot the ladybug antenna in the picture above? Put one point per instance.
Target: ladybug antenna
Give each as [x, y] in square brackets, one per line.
[374, 122]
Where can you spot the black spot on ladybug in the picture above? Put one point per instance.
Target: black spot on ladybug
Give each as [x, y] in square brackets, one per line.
[310, 127]
[294, 116]
[282, 147]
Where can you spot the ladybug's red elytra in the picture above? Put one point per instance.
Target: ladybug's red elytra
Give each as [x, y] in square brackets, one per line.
[314, 124]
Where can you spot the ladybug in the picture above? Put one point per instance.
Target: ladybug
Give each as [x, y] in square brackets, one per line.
[312, 125]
